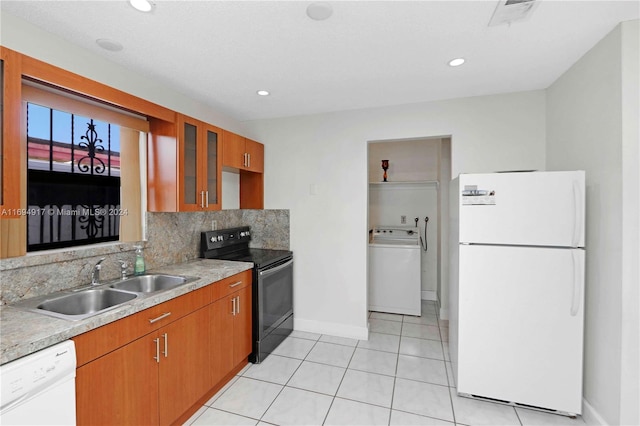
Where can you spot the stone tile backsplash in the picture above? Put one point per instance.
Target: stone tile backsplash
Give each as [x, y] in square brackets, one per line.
[171, 238]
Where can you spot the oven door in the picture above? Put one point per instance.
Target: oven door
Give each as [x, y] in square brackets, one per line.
[275, 297]
[272, 308]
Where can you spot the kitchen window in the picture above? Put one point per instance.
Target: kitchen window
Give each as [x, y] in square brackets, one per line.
[85, 171]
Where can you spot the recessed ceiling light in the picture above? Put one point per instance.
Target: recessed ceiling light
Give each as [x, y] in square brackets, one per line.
[263, 92]
[141, 5]
[110, 45]
[319, 11]
[456, 62]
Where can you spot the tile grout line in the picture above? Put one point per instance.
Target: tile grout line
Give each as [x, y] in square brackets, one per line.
[395, 376]
[338, 388]
[289, 379]
[348, 367]
[296, 370]
[444, 355]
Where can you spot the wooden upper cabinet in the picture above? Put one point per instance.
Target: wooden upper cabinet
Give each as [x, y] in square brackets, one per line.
[255, 156]
[12, 155]
[242, 153]
[233, 154]
[184, 165]
[199, 168]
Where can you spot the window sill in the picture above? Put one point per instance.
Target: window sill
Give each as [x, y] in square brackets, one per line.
[64, 255]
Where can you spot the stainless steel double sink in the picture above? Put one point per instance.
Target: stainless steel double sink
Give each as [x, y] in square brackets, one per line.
[85, 302]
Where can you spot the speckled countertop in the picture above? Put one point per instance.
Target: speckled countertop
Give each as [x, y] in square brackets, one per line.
[24, 332]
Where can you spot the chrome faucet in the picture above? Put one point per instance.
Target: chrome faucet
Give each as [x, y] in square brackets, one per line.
[95, 272]
[123, 269]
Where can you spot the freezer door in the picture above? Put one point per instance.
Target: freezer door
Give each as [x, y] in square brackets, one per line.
[520, 325]
[530, 208]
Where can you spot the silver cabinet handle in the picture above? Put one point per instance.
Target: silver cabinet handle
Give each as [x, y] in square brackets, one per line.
[207, 199]
[235, 284]
[157, 357]
[249, 160]
[202, 199]
[233, 306]
[238, 304]
[166, 314]
[166, 345]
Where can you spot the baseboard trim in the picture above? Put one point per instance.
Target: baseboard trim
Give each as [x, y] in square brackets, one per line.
[590, 415]
[429, 295]
[331, 328]
[444, 314]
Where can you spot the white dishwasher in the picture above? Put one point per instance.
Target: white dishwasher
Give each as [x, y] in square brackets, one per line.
[394, 270]
[39, 389]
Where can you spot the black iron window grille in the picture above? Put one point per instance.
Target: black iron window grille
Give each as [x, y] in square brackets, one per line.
[73, 182]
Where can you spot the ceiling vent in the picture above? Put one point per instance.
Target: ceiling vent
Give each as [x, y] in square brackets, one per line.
[508, 11]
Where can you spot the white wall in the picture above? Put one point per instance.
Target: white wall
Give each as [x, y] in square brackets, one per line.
[409, 160]
[592, 124]
[444, 228]
[230, 190]
[316, 166]
[25, 38]
[630, 351]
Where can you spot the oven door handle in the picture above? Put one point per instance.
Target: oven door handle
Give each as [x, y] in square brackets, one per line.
[276, 269]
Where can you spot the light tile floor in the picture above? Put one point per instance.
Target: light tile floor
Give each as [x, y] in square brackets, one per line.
[400, 376]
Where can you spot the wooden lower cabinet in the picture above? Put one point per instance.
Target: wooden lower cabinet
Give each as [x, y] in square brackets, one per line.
[165, 374]
[242, 339]
[183, 377]
[232, 329]
[120, 388]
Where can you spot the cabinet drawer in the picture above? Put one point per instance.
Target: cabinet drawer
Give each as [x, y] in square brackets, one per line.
[95, 343]
[232, 284]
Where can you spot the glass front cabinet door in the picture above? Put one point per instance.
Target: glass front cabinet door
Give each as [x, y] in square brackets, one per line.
[200, 165]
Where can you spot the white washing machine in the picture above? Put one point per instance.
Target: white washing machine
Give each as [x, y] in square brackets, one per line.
[394, 270]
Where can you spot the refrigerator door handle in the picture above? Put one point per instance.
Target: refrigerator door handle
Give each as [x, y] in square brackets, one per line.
[577, 215]
[577, 278]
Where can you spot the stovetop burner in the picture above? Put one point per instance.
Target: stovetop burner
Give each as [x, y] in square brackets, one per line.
[233, 244]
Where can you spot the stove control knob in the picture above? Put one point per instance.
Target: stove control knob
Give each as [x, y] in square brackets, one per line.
[220, 237]
[213, 239]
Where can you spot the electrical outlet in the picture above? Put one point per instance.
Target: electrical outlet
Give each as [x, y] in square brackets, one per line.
[214, 225]
[403, 220]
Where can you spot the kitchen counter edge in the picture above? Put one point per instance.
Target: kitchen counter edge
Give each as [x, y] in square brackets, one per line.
[23, 332]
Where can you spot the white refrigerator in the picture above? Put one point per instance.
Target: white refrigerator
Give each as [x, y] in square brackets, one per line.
[517, 288]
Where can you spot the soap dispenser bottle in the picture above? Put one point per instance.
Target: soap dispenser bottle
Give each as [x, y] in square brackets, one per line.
[139, 267]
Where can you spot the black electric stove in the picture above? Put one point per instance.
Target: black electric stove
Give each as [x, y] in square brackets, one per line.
[233, 244]
[261, 258]
[272, 295]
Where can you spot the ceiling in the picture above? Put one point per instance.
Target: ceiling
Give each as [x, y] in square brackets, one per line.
[367, 54]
